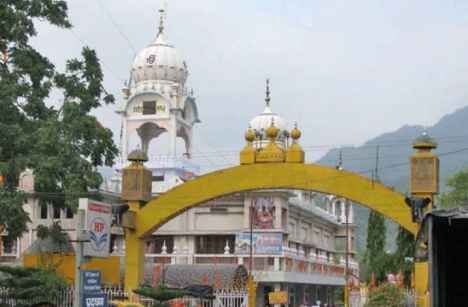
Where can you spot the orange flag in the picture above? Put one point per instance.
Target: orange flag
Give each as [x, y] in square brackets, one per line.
[205, 279]
[217, 283]
[157, 272]
[351, 285]
[412, 280]
[400, 280]
[372, 282]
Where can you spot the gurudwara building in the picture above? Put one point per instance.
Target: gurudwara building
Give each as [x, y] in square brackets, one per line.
[299, 237]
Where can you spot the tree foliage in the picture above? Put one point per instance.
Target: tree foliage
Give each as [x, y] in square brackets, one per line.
[385, 295]
[405, 248]
[458, 196]
[375, 256]
[27, 285]
[62, 143]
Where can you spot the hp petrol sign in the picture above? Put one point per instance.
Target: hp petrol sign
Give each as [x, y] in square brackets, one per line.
[98, 222]
[98, 234]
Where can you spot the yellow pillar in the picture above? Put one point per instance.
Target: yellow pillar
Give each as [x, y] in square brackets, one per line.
[424, 183]
[134, 260]
[136, 191]
[422, 279]
[252, 292]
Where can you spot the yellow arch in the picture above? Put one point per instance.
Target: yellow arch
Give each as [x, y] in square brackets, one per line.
[272, 176]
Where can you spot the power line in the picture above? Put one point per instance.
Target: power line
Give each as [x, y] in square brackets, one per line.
[442, 140]
[214, 147]
[117, 27]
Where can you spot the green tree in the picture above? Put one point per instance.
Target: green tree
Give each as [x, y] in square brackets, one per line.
[458, 196]
[27, 285]
[385, 295]
[62, 145]
[404, 248]
[375, 257]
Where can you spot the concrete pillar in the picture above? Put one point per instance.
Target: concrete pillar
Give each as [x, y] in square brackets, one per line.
[278, 206]
[125, 137]
[277, 264]
[173, 134]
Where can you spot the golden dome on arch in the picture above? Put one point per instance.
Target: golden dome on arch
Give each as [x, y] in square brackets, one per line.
[295, 133]
[272, 131]
[249, 135]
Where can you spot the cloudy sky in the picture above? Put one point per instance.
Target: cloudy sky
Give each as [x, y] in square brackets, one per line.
[346, 70]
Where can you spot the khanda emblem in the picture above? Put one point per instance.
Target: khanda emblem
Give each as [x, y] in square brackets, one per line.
[150, 59]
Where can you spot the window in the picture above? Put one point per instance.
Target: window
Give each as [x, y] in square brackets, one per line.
[304, 233]
[158, 178]
[8, 244]
[44, 211]
[149, 107]
[326, 240]
[338, 208]
[56, 213]
[316, 237]
[69, 213]
[340, 244]
[214, 244]
[292, 229]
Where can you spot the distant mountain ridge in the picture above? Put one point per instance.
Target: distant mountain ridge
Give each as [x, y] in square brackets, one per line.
[395, 148]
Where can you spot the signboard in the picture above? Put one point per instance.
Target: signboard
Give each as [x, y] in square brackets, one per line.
[91, 281]
[155, 106]
[423, 175]
[263, 243]
[95, 300]
[98, 223]
[278, 297]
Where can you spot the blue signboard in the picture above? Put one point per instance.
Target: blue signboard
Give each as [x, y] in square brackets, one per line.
[263, 243]
[91, 281]
[95, 300]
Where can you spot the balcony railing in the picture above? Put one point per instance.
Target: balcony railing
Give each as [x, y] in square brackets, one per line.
[265, 263]
[163, 161]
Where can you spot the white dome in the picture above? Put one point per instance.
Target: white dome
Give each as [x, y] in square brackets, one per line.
[159, 61]
[261, 122]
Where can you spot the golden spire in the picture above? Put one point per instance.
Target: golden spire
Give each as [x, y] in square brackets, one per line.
[249, 135]
[294, 153]
[272, 131]
[295, 133]
[161, 26]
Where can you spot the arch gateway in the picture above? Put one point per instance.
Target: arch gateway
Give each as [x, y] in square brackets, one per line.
[270, 167]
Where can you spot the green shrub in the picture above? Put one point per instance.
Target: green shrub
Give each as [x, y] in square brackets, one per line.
[385, 295]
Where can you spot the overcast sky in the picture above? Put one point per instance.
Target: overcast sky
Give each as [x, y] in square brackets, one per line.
[347, 70]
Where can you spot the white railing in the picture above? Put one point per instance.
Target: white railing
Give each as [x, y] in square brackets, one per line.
[223, 298]
[280, 263]
[163, 161]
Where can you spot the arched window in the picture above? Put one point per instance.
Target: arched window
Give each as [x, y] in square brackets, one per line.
[338, 211]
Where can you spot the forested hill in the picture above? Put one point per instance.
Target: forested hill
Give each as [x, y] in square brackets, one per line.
[395, 148]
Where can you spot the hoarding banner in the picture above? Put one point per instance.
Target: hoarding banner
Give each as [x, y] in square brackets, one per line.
[263, 243]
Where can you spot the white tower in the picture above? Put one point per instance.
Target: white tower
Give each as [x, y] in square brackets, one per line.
[158, 102]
